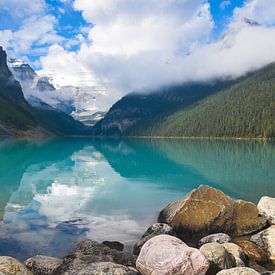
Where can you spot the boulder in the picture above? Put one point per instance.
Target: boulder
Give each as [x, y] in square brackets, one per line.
[240, 257]
[238, 271]
[168, 255]
[154, 230]
[43, 265]
[106, 268]
[207, 210]
[253, 252]
[89, 251]
[10, 266]
[218, 238]
[266, 208]
[114, 245]
[218, 257]
[266, 240]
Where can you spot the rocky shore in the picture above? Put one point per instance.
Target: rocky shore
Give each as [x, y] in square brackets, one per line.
[206, 232]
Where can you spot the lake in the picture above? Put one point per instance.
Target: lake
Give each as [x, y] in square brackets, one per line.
[57, 192]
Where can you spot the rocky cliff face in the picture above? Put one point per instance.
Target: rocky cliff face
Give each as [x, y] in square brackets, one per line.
[9, 87]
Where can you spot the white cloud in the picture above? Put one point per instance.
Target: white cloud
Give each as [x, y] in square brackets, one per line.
[225, 4]
[20, 9]
[35, 31]
[262, 11]
[145, 44]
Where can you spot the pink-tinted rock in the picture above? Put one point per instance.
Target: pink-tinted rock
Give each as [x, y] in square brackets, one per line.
[168, 255]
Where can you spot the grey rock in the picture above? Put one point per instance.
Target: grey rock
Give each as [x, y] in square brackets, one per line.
[218, 257]
[154, 230]
[266, 241]
[106, 268]
[89, 251]
[218, 238]
[239, 271]
[114, 245]
[43, 265]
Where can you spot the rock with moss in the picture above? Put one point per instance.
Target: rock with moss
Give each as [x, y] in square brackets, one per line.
[10, 266]
[253, 252]
[207, 210]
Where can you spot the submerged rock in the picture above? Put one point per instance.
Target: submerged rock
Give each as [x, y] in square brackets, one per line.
[168, 255]
[240, 257]
[89, 251]
[218, 257]
[43, 265]
[114, 245]
[154, 230]
[239, 271]
[218, 238]
[266, 240]
[10, 266]
[266, 208]
[253, 252]
[207, 210]
[106, 268]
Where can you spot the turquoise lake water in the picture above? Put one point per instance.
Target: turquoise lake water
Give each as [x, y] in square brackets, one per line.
[55, 193]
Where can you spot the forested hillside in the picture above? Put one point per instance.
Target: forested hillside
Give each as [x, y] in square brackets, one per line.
[246, 109]
[134, 114]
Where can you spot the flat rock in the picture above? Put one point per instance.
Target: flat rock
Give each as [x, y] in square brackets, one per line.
[43, 265]
[207, 210]
[218, 238]
[266, 208]
[168, 255]
[106, 268]
[154, 230]
[10, 266]
[253, 252]
[266, 240]
[218, 257]
[240, 257]
[238, 271]
[114, 245]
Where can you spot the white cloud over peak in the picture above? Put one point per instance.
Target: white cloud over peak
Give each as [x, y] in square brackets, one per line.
[262, 11]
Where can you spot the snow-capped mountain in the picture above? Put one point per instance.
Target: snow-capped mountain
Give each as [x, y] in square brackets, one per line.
[83, 103]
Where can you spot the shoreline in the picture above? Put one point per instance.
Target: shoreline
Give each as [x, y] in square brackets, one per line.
[222, 241]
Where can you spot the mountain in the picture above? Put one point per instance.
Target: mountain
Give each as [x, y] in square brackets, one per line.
[15, 114]
[19, 117]
[244, 107]
[247, 109]
[56, 121]
[82, 102]
[136, 113]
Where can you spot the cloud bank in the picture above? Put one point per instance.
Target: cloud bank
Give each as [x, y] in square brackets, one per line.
[131, 45]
